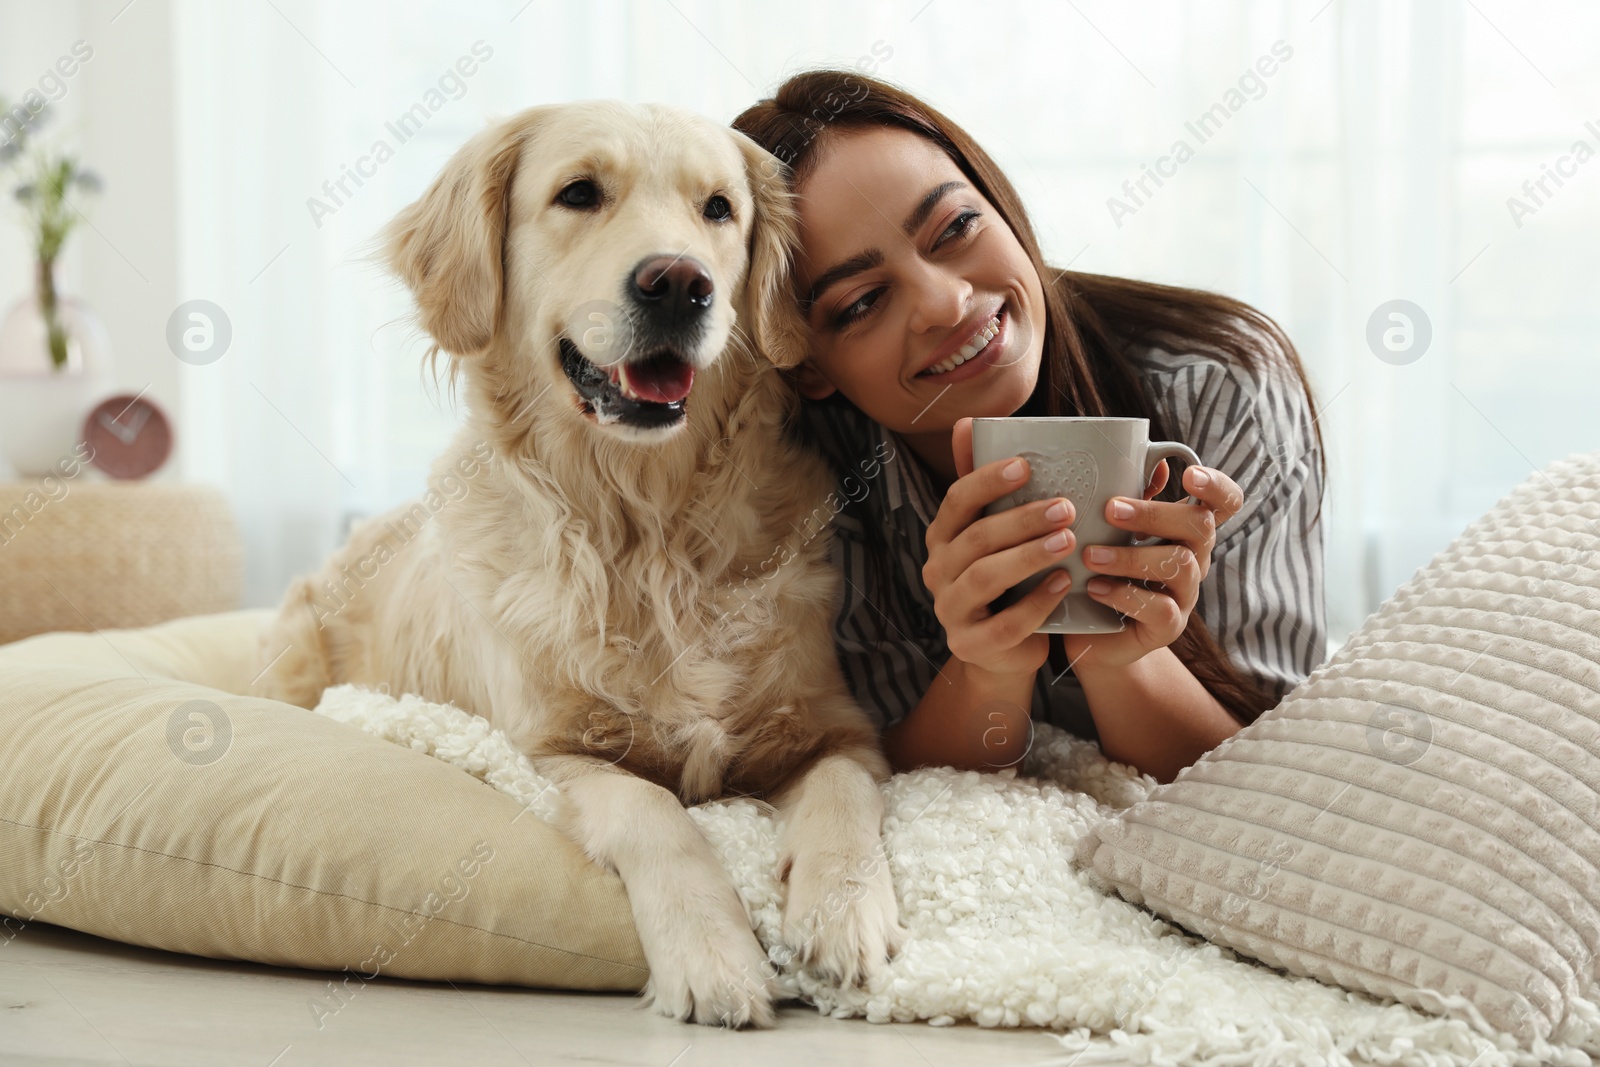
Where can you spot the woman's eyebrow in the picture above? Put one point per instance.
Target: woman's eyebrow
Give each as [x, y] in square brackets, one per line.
[924, 208]
[873, 257]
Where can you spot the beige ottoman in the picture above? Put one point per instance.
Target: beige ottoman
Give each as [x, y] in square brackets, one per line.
[87, 555]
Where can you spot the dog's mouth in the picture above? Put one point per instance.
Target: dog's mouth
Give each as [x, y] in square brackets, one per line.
[652, 391]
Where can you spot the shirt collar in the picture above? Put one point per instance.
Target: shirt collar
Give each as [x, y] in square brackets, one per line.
[905, 480]
[901, 483]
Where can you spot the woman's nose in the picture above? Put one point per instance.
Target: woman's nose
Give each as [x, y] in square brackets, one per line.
[941, 300]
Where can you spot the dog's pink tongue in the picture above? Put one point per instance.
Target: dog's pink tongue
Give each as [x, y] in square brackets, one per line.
[661, 381]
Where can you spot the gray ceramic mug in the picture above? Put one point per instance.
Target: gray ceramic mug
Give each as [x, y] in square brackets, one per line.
[1087, 460]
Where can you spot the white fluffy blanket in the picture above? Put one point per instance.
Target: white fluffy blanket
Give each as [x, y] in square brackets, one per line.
[1004, 932]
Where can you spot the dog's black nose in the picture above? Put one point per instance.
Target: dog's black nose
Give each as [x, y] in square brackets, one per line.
[674, 290]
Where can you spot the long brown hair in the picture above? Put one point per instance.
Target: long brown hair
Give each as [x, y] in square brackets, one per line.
[1092, 321]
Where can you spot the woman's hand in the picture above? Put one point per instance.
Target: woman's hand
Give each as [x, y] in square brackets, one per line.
[1155, 615]
[973, 558]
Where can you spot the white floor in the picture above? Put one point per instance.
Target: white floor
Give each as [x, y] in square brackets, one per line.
[70, 998]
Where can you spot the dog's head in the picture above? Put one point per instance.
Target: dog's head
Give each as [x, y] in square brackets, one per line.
[603, 253]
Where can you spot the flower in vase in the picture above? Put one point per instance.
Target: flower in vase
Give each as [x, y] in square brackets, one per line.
[46, 196]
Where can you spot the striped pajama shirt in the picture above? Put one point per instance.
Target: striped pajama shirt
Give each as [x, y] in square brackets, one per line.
[1262, 598]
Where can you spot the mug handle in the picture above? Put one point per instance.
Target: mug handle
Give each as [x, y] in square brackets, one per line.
[1154, 453]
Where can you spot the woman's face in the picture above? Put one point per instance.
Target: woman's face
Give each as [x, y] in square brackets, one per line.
[903, 265]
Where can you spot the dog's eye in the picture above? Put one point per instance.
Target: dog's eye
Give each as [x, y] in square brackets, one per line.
[581, 193]
[718, 209]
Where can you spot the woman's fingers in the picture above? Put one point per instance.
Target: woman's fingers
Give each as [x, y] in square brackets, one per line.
[1014, 623]
[975, 587]
[961, 445]
[1193, 524]
[1149, 607]
[969, 494]
[973, 558]
[1176, 567]
[1158, 480]
[1219, 492]
[992, 534]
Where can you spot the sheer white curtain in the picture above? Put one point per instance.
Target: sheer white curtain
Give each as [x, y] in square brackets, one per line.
[1341, 155]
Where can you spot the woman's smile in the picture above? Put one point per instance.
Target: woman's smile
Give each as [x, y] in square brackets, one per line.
[976, 355]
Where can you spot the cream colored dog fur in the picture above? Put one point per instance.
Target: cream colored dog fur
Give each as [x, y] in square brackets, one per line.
[645, 611]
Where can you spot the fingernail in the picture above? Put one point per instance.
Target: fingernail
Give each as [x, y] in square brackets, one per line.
[1012, 470]
[1201, 478]
[1121, 509]
[1058, 581]
[1097, 554]
[1056, 541]
[1099, 585]
[1057, 511]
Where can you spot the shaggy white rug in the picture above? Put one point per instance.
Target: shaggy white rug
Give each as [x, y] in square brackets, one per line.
[1004, 932]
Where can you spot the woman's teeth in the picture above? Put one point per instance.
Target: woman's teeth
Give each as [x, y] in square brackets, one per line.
[968, 350]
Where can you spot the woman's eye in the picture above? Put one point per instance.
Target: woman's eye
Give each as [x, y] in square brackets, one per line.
[581, 193]
[959, 227]
[854, 311]
[718, 209]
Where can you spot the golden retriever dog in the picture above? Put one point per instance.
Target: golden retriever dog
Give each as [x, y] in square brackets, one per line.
[619, 561]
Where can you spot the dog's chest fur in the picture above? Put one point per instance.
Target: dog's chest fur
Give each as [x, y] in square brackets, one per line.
[660, 641]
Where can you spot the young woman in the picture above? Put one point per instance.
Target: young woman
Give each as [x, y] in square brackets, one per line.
[916, 251]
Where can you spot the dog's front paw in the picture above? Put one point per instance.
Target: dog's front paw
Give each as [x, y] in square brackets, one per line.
[841, 917]
[715, 978]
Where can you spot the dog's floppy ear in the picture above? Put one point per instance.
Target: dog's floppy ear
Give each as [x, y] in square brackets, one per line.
[449, 246]
[771, 311]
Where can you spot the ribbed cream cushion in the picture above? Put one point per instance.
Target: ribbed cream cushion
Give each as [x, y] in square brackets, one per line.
[140, 800]
[1419, 818]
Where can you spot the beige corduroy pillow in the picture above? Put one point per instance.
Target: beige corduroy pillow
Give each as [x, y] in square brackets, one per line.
[140, 800]
[1419, 818]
